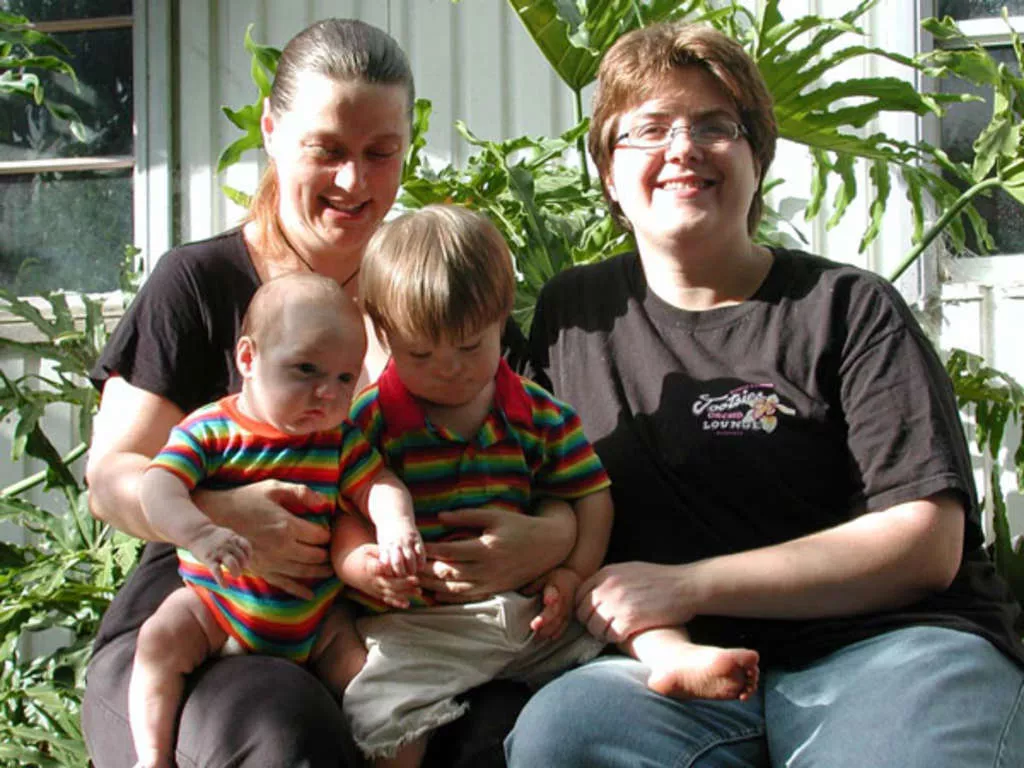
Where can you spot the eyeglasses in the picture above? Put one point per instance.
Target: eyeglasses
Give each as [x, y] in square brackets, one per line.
[705, 132]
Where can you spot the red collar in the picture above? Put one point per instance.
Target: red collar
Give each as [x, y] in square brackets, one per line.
[402, 413]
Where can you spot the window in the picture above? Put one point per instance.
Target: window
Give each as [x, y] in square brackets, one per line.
[981, 20]
[66, 207]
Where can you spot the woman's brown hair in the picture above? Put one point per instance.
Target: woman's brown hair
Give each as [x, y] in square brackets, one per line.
[633, 71]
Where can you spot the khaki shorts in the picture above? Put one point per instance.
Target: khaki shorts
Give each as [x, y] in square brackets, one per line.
[419, 660]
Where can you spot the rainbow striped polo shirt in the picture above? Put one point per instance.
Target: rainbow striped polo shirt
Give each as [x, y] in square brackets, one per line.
[530, 446]
[217, 447]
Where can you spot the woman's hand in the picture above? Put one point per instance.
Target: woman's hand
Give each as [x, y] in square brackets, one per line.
[284, 546]
[511, 550]
[620, 600]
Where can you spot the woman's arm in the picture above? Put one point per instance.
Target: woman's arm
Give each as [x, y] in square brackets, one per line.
[132, 426]
[879, 560]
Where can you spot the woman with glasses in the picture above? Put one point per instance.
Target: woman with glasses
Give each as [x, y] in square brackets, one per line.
[787, 462]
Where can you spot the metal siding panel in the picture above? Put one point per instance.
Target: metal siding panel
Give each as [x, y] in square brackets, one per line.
[433, 49]
[536, 94]
[483, 67]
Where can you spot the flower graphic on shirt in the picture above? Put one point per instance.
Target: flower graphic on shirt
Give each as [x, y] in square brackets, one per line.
[764, 409]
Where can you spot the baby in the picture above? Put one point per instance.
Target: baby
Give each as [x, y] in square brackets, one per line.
[300, 354]
[462, 430]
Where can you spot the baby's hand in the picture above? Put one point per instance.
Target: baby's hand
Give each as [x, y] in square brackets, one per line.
[365, 571]
[400, 548]
[558, 595]
[221, 548]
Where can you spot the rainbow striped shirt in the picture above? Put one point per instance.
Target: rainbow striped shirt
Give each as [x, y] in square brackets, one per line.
[530, 446]
[218, 447]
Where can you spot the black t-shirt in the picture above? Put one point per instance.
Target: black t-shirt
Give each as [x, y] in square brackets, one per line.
[816, 400]
[177, 340]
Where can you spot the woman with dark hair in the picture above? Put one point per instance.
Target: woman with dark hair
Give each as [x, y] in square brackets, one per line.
[336, 127]
[788, 467]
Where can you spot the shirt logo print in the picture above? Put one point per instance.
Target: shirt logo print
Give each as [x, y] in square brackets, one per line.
[747, 408]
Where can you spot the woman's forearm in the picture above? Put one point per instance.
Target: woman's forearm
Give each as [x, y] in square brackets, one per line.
[877, 561]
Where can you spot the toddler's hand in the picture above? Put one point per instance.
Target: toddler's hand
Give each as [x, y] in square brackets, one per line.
[365, 571]
[400, 548]
[558, 595]
[221, 548]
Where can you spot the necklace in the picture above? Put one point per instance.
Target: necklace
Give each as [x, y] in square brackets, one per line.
[351, 277]
[295, 252]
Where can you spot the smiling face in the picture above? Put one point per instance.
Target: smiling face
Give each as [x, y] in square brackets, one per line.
[684, 192]
[338, 152]
[449, 373]
[301, 376]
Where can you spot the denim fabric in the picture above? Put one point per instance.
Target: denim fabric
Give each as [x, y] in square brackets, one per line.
[921, 696]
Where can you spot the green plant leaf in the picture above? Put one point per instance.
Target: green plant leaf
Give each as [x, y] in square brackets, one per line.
[264, 63]
[236, 196]
[573, 36]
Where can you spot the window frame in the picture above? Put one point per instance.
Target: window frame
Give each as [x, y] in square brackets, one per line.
[153, 160]
[988, 32]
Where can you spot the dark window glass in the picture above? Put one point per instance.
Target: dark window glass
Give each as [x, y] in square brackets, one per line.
[960, 127]
[55, 10]
[64, 230]
[102, 59]
[979, 9]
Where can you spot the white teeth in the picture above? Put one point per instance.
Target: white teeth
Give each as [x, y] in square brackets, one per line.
[694, 184]
[346, 208]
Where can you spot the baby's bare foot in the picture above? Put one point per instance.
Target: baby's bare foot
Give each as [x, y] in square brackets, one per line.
[705, 672]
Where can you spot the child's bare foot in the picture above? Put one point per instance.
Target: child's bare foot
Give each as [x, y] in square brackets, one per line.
[705, 672]
[684, 670]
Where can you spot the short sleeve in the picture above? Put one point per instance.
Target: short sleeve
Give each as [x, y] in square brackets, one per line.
[360, 461]
[571, 468]
[905, 435]
[366, 415]
[184, 456]
[177, 337]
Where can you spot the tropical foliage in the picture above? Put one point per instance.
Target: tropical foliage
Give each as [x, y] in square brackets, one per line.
[65, 574]
[999, 149]
[24, 52]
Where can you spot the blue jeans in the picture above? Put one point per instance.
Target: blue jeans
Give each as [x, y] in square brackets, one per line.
[921, 696]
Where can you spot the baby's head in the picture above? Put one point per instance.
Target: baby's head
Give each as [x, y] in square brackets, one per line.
[438, 284]
[300, 353]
